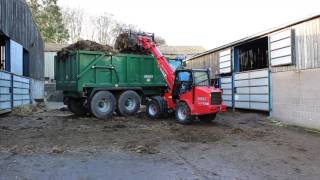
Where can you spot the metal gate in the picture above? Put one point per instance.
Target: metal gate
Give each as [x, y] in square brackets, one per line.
[14, 91]
[226, 86]
[21, 91]
[251, 90]
[5, 92]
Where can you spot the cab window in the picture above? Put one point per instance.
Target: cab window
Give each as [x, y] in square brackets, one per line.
[201, 78]
[184, 76]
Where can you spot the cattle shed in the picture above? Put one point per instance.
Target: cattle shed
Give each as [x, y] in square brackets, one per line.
[276, 71]
[21, 65]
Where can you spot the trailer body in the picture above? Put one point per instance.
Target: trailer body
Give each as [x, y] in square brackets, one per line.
[83, 71]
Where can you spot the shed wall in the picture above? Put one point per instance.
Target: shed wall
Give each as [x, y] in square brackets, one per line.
[295, 97]
[207, 61]
[306, 50]
[17, 23]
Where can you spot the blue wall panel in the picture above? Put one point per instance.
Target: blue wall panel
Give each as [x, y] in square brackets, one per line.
[16, 58]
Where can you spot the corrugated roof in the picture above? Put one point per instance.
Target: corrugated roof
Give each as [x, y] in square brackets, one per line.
[255, 36]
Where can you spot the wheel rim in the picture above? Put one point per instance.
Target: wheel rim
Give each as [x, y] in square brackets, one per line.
[182, 113]
[130, 104]
[104, 105]
[152, 110]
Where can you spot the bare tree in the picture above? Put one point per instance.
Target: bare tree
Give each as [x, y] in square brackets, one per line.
[103, 29]
[120, 27]
[73, 20]
[160, 41]
[106, 29]
[104, 25]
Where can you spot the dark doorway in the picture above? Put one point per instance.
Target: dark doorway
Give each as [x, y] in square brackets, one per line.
[26, 62]
[252, 55]
[2, 52]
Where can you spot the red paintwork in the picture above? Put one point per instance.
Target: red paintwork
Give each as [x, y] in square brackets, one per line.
[201, 103]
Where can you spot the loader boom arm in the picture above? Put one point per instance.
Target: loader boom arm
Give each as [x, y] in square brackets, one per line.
[163, 64]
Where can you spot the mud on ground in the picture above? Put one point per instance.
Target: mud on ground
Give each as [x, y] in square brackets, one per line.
[58, 131]
[236, 144]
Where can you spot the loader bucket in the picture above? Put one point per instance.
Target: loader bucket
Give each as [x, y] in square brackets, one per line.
[127, 42]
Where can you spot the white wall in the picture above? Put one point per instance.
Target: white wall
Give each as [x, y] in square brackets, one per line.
[37, 89]
[49, 64]
[295, 97]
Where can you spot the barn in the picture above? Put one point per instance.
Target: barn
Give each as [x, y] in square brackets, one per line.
[276, 71]
[21, 65]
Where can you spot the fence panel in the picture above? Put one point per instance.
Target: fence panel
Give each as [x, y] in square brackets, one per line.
[5, 92]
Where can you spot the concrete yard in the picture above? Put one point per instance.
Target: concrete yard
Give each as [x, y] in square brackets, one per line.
[54, 144]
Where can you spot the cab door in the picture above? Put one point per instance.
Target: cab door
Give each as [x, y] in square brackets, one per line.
[182, 84]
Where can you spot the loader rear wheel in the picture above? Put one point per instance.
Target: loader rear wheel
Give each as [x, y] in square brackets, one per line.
[156, 108]
[183, 113]
[76, 107]
[103, 104]
[128, 103]
[208, 118]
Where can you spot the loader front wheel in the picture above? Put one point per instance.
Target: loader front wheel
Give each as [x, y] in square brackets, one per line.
[103, 104]
[183, 113]
[156, 108]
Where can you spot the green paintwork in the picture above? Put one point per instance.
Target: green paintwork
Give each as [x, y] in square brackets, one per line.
[99, 70]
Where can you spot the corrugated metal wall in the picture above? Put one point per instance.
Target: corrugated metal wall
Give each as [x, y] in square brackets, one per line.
[306, 46]
[206, 61]
[17, 23]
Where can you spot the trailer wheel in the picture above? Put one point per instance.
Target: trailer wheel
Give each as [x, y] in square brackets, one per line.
[129, 103]
[183, 113]
[207, 118]
[76, 107]
[156, 108]
[103, 104]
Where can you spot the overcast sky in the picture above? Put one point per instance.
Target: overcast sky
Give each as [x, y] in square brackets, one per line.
[206, 23]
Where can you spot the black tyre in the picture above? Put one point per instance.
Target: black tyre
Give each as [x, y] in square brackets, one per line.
[103, 104]
[207, 118]
[76, 106]
[183, 113]
[128, 103]
[156, 108]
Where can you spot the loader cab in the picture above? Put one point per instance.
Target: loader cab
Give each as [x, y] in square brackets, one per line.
[187, 79]
[176, 64]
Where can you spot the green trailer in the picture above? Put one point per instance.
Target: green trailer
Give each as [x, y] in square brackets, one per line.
[98, 83]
